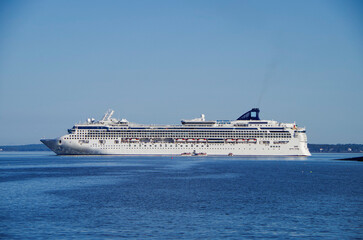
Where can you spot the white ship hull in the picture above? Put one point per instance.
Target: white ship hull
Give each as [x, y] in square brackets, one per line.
[235, 149]
[246, 136]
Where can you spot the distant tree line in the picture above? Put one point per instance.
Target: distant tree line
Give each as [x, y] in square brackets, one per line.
[29, 147]
[336, 148]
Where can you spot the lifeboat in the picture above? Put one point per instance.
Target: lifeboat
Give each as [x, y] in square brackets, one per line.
[134, 140]
[191, 140]
[202, 140]
[252, 140]
[241, 140]
[179, 140]
[230, 140]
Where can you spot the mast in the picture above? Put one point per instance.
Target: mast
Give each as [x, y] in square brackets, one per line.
[108, 115]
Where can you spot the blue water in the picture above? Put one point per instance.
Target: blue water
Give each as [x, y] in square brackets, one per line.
[43, 196]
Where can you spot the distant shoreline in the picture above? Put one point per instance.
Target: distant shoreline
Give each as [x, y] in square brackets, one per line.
[335, 148]
[314, 148]
[27, 147]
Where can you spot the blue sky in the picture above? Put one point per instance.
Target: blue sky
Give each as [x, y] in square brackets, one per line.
[161, 61]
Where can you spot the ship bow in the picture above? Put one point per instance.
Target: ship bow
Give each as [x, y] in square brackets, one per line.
[51, 144]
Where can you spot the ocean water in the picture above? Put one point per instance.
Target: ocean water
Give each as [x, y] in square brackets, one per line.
[43, 196]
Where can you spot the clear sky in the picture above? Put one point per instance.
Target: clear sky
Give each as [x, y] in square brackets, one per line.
[162, 61]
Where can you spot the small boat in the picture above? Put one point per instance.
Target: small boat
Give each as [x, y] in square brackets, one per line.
[190, 140]
[230, 154]
[200, 154]
[134, 140]
[252, 140]
[230, 140]
[179, 140]
[202, 140]
[186, 154]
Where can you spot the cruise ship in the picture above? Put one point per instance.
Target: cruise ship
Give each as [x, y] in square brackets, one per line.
[247, 135]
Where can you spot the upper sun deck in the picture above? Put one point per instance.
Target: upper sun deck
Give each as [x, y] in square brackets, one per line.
[249, 120]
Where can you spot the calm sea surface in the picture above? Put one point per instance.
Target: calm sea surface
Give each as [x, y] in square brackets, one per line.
[43, 196]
